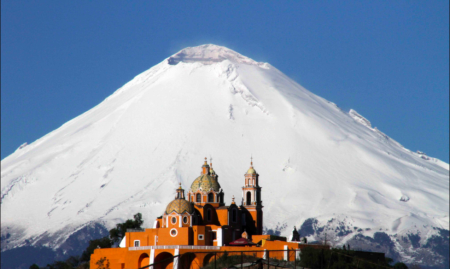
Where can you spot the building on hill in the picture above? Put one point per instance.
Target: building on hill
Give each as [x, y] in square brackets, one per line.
[199, 222]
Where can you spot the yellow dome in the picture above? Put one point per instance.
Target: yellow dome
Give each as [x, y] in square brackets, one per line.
[179, 206]
[206, 182]
[251, 171]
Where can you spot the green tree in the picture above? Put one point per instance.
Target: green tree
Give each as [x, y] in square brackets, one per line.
[400, 265]
[389, 260]
[116, 234]
[34, 266]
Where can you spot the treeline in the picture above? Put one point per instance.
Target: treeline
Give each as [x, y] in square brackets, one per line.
[82, 262]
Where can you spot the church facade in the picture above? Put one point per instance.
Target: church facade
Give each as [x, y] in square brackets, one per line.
[198, 221]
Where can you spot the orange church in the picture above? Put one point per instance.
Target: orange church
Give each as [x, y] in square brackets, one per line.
[197, 225]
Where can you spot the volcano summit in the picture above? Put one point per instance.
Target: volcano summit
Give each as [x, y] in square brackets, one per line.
[325, 170]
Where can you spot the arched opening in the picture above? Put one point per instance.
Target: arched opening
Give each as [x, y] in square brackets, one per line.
[189, 261]
[199, 198]
[209, 214]
[249, 198]
[208, 258]
[143, 260]
[210, 197]
[164, 260]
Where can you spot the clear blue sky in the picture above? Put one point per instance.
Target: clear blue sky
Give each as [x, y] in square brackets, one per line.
[388, 60]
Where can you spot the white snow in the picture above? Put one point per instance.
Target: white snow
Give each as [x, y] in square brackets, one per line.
[127, 155]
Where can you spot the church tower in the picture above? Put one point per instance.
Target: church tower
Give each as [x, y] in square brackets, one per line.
[251, 198]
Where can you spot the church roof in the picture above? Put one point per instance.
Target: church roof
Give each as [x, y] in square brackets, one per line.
[205, 182]
[251, 171]
[180, 206]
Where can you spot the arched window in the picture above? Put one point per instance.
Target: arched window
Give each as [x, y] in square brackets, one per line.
[209, 214]
[210, 198]
[234, 215]
[249, 198]
[199, 198]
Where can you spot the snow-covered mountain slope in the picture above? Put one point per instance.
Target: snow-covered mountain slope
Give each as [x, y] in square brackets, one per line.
[127, 155]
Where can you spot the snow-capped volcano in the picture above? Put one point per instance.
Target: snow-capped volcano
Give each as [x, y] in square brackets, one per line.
[316, 162]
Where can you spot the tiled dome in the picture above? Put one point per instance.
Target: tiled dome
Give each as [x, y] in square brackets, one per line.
[180, 206]
[206, 182]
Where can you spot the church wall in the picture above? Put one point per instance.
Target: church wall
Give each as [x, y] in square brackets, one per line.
[181, 237]
[200, 232]
[116, 257]
[143, 238]
[222, 216]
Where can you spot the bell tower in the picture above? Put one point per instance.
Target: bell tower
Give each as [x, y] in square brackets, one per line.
[251, 197]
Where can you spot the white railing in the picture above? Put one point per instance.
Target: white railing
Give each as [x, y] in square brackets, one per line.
[175, 247]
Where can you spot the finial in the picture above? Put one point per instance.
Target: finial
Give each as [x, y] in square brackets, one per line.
[179, 186]
[210, 161]
[206, 161]
[251, 161]
[232, 200]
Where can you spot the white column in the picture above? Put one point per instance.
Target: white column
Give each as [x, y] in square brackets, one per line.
[298, 253]
[180, 220]
[152, 258]
[219, 237]
[175, 259]
[190, 219]
[286, 253]
[265, 254]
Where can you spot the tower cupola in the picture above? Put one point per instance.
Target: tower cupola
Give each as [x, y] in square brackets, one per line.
[251, 198]
[205, 168]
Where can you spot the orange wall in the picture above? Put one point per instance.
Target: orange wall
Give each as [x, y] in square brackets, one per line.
[222, 215]
[115, 256]
[182, 237]
[121, 258]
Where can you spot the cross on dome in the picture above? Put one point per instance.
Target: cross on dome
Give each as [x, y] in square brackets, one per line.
[251, 170]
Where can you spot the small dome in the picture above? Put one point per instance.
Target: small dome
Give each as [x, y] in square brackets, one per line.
[251, 171]
[206, 182]
[179, 206]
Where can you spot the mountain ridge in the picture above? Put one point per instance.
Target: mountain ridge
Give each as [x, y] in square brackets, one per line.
[128, 154]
